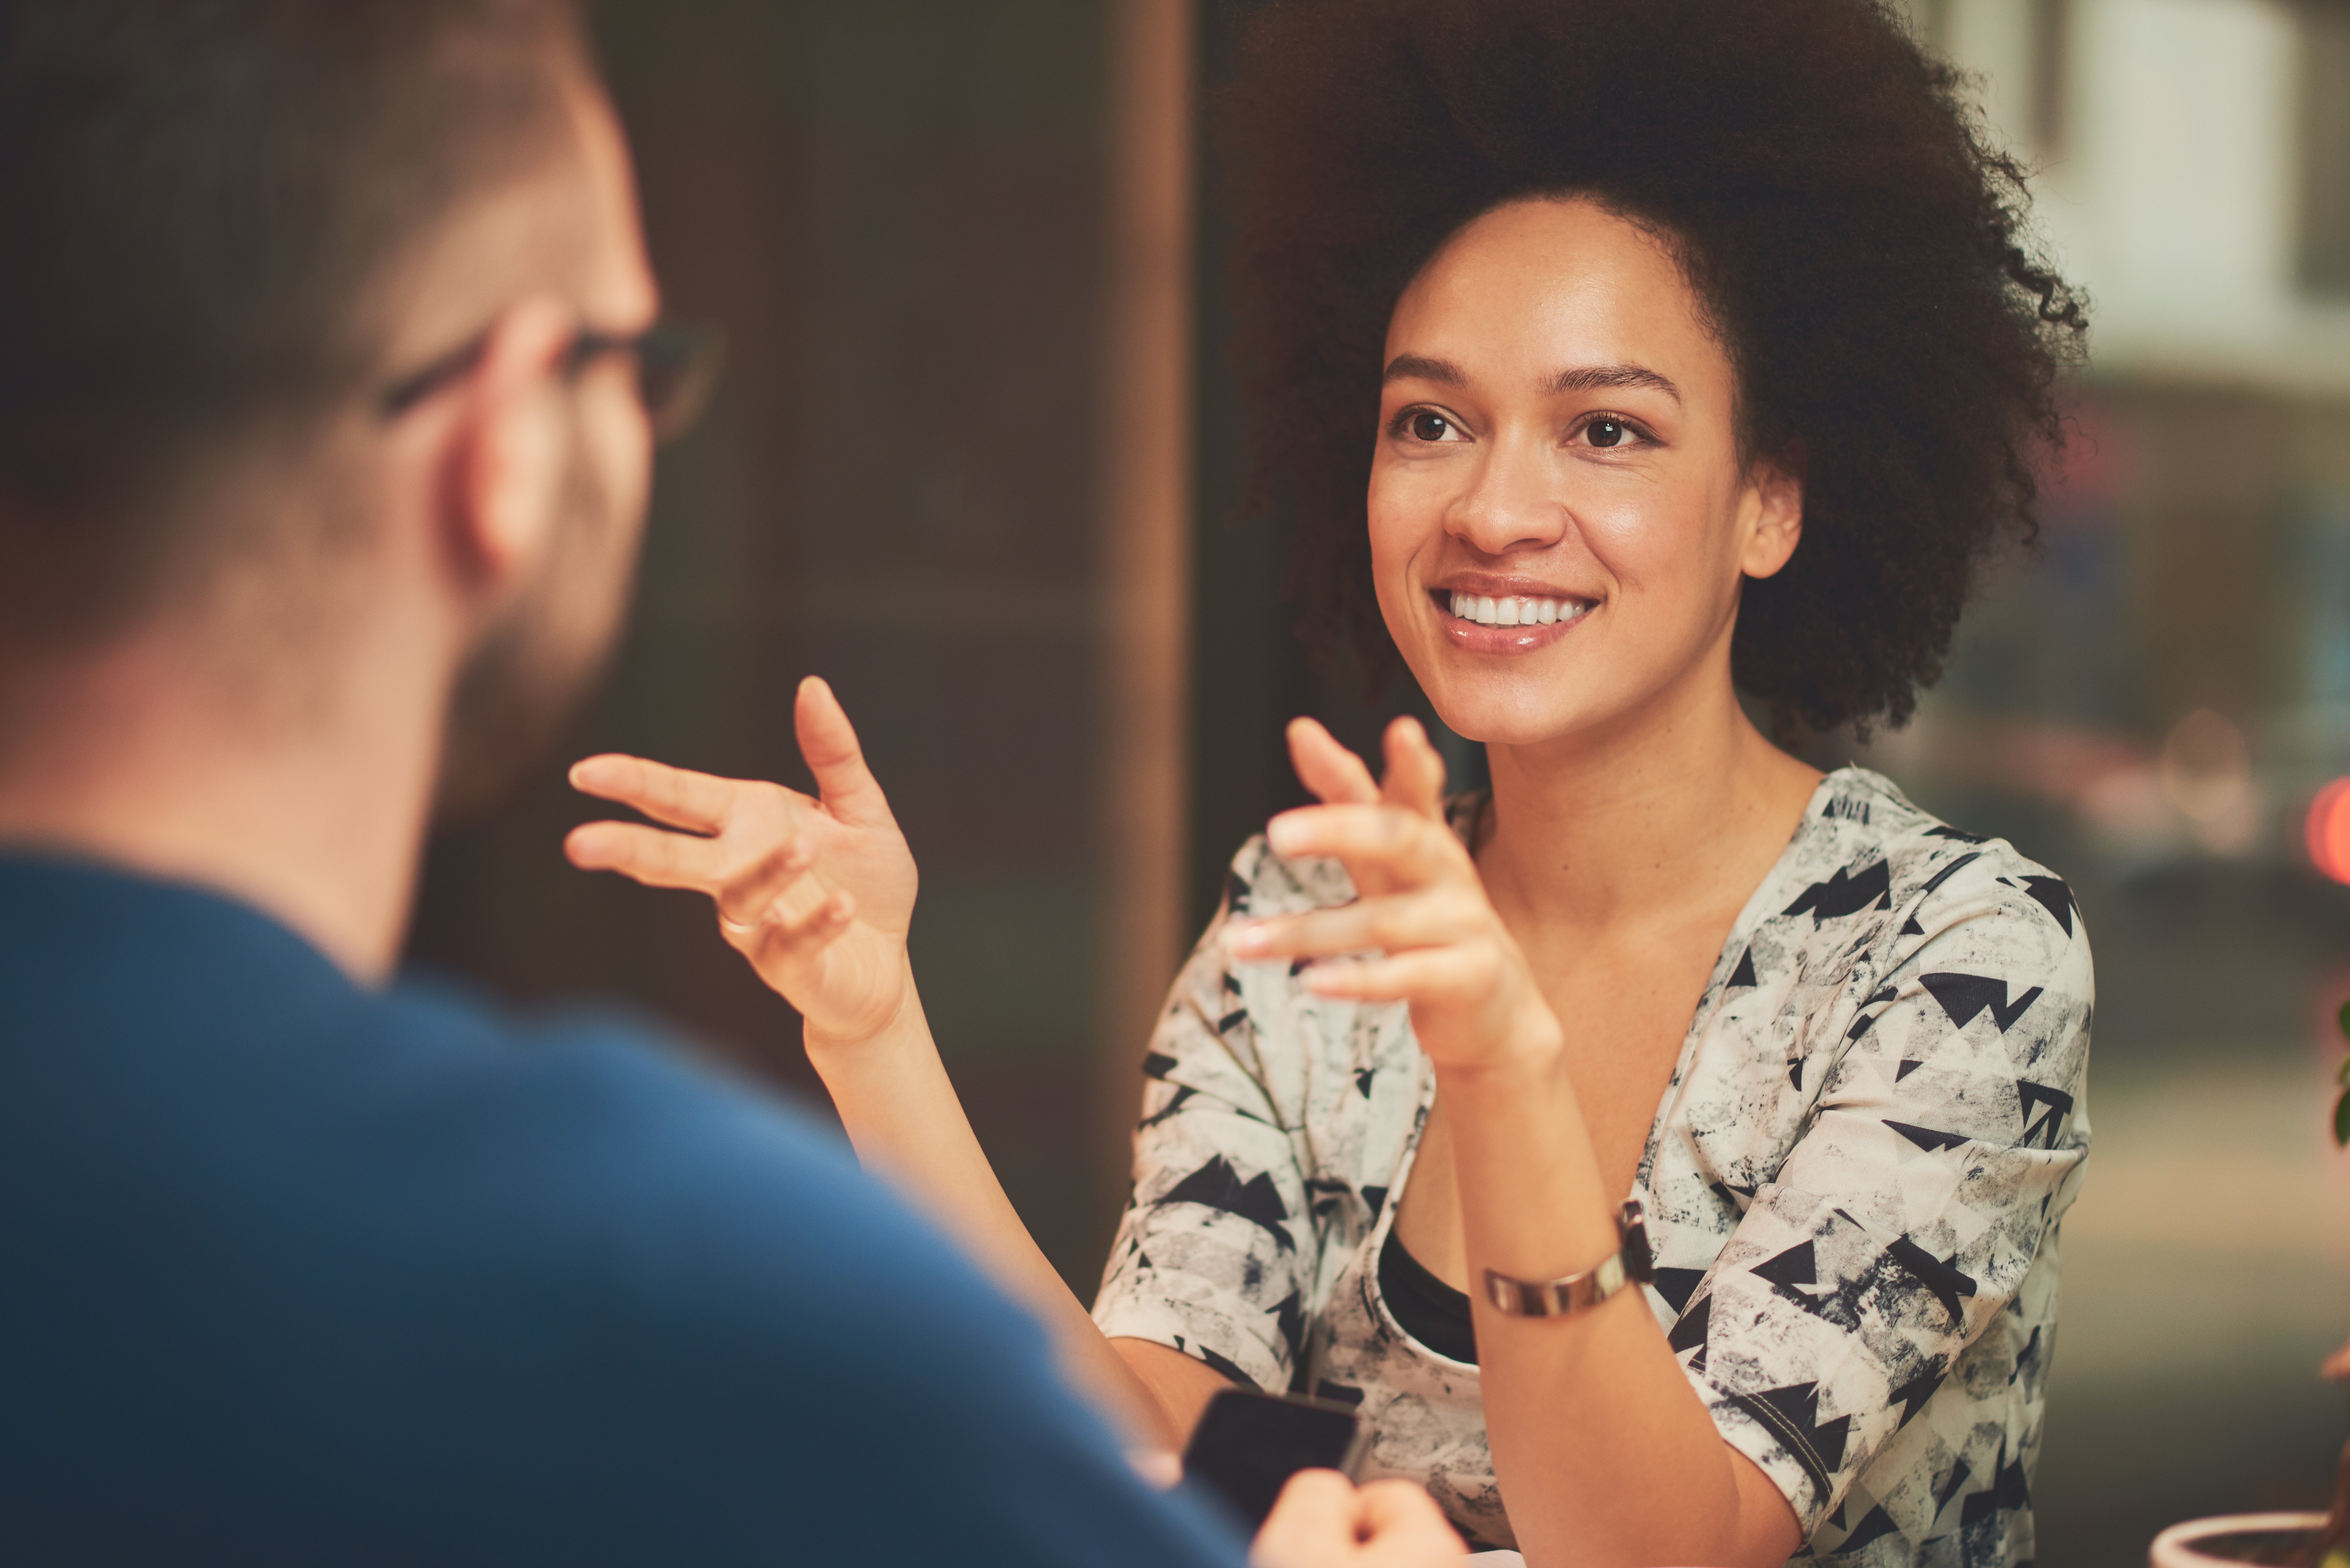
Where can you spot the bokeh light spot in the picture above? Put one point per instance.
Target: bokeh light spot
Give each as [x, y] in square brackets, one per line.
[2328, 831]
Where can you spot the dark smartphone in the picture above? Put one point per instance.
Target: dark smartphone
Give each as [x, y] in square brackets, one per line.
[1248, 1444]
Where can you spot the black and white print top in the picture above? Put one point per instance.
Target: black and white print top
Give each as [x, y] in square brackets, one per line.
[1854, 1183]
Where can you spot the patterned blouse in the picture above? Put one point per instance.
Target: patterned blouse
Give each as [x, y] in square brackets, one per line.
[1854, 1183]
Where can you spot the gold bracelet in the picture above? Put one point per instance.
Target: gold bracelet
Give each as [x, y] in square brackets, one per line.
[1630, 1264]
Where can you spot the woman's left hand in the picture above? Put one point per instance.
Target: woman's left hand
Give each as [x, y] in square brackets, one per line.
[1432, 937]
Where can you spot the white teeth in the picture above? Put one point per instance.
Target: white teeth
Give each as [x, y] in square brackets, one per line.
[1505, 611]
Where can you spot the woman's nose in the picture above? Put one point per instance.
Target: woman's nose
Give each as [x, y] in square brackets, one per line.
[1513, 504]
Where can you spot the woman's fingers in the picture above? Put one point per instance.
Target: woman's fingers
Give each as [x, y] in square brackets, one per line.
[829, 741]
[1392, 842]
[652, 855]
[1329, 770]
[1391, 924]
[1415, 775]
[742, 889]
[1400, 1524]
[1323, 1520]
[795, 937]
[1313, 1523]
[749, 895]
[1436, 977]
[1415, 769]
[676, 796]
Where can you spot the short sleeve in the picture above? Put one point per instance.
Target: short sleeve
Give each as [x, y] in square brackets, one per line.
[1217, 1251]
[1948, 1139]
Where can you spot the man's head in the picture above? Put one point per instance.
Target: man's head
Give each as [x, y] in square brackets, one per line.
[233, 228]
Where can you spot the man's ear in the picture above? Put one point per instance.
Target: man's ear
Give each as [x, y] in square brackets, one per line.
[508, 477]
[1775, 494]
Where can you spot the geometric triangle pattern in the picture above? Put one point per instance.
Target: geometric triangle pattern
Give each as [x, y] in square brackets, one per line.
[1216, 1185]
[1870, 1139]
[1964, 996]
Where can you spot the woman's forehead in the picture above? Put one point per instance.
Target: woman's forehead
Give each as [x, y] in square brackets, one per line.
[1541, 288]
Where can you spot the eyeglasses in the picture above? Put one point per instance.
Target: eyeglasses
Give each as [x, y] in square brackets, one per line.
[677, 366]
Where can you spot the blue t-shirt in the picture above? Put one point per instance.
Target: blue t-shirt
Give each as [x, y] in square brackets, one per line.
[292, 1271]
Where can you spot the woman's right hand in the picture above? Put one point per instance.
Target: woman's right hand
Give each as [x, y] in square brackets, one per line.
[816, 893]
[1322, 1520]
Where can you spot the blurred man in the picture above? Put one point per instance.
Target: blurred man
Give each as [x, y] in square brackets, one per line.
[328, 379]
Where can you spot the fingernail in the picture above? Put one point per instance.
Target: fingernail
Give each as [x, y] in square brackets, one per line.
[1245, 937]
[1286, 834]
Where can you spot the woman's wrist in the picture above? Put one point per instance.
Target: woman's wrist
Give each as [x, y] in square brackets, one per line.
[1531, 1053]
[899, 1024]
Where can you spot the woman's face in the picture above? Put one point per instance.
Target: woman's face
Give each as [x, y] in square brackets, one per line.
[1559, 519]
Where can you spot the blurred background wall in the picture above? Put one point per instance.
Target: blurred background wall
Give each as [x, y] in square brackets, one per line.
[901, 212]
[976, 461]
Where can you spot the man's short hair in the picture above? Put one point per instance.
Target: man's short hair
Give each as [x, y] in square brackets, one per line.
[195, 198]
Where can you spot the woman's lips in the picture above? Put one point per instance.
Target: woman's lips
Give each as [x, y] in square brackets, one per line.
[1494, 624]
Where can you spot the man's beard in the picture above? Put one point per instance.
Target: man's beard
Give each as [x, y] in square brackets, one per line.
[528, 673]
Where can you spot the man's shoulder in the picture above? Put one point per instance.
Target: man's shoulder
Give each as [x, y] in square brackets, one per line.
[243, 1097]
[618, 1158]
[413, 1252]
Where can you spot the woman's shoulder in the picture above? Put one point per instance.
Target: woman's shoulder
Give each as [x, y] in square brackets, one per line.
[1868, 847]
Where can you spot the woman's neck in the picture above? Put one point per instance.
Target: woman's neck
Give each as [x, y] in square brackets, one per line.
[1658, 818]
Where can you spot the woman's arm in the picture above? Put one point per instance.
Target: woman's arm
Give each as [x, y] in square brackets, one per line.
[1935, 1160]
[1605, 1451]
[818, 894]
[1639, 1473]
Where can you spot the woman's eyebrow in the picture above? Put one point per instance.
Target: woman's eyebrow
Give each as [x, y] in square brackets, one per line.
[1581, 379]
[1420, 367]
[1590, 378]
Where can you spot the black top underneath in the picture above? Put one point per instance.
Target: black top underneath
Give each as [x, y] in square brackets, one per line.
[1424, 1307]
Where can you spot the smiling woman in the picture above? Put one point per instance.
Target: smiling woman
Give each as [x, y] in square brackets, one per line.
[1664, 1152]
[1558, 430]
[1691, 350]
[1844, 226]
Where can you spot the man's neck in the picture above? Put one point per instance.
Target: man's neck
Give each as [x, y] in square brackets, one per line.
[1669, 810]
[149, 758]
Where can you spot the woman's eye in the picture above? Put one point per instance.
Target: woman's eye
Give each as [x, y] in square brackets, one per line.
[1605, 432]
[1427, 426]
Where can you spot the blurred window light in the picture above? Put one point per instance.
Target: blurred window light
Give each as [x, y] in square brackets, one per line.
[2052, 49]
[2205, 765]
[2206, 768]
[2327, 831]
[2193, 162]
[2325, 148]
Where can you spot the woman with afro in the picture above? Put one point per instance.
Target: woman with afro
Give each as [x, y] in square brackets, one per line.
[1663, 1151]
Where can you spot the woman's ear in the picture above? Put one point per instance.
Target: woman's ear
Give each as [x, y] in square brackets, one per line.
[1774, 506]
[509, 477]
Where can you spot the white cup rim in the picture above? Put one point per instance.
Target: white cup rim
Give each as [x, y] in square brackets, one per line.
[2175, 1547]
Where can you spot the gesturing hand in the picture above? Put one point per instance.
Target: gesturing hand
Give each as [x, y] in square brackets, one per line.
[1323, 1520]
[817, 894]
[1440, 944]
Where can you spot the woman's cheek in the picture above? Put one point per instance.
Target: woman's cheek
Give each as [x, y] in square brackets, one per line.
[1396, 529]
[1648, 542]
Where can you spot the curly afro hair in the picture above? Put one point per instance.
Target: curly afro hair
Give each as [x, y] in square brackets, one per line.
[1851, 233]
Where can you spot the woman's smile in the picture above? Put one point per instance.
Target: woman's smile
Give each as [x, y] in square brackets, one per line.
[1505, 618]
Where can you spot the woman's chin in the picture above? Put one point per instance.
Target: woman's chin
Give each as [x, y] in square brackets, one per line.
[1503, 713]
